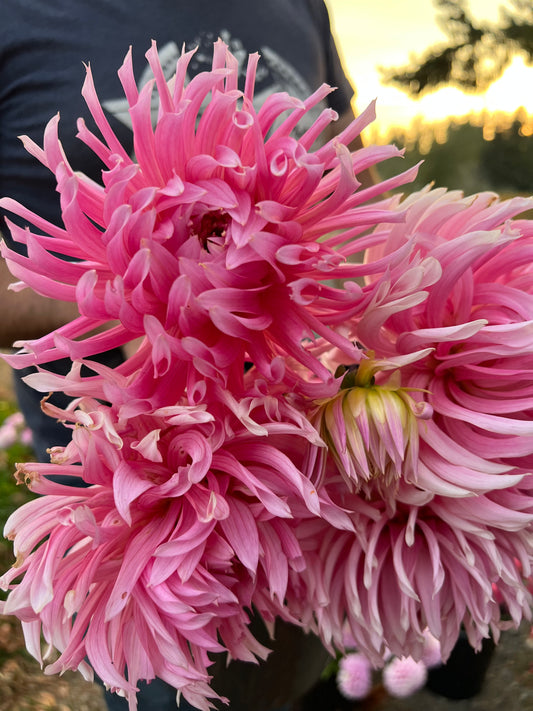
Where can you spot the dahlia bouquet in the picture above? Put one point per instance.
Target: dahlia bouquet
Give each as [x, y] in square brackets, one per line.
[328, 416]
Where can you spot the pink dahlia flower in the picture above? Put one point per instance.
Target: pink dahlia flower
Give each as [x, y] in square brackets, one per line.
[215, 242]
[431, 564]
[447, 364]
[476, 323]
[433, 431]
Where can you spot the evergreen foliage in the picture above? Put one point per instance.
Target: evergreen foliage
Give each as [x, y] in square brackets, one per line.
[466, 160]
[475, 53]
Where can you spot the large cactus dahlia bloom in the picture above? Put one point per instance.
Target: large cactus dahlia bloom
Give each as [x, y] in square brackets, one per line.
[329, 439]
[208, 243]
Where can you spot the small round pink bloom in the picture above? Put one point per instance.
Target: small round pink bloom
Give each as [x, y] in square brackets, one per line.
[354, 677]
[403, 676]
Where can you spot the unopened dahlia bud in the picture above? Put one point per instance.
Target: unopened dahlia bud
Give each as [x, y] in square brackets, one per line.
[371, 427]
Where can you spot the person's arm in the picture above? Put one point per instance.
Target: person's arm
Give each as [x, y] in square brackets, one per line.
[26, 315]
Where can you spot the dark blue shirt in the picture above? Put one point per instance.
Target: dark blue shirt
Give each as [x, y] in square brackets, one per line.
[44, 43]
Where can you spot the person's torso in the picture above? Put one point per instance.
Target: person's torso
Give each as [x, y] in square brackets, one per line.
[45, 43]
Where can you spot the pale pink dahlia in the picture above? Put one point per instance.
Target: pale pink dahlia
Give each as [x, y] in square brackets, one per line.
[444, 398]
[477, 324]
[450, 374]
[430, 564]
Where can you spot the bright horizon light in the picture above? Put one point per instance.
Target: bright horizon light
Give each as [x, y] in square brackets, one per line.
[385, 33]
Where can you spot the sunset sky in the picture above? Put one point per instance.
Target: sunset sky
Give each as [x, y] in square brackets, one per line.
[385, 32]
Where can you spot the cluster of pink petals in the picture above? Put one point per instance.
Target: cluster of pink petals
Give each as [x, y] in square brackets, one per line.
[228, 242]
[459, 522]
[154, 565]
[208, 244]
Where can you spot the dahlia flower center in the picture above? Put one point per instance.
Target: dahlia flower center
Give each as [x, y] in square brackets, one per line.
[210, 226]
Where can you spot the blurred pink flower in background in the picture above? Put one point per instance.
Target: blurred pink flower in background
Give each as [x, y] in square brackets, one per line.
[13, 429]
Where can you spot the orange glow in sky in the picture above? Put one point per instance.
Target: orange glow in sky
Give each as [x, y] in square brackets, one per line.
[386, 32]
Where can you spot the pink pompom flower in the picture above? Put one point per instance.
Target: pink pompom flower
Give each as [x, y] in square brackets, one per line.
[354, 677]
[404, 676]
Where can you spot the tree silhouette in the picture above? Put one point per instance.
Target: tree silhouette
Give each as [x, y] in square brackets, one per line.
[476, 53]
[506, 161]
